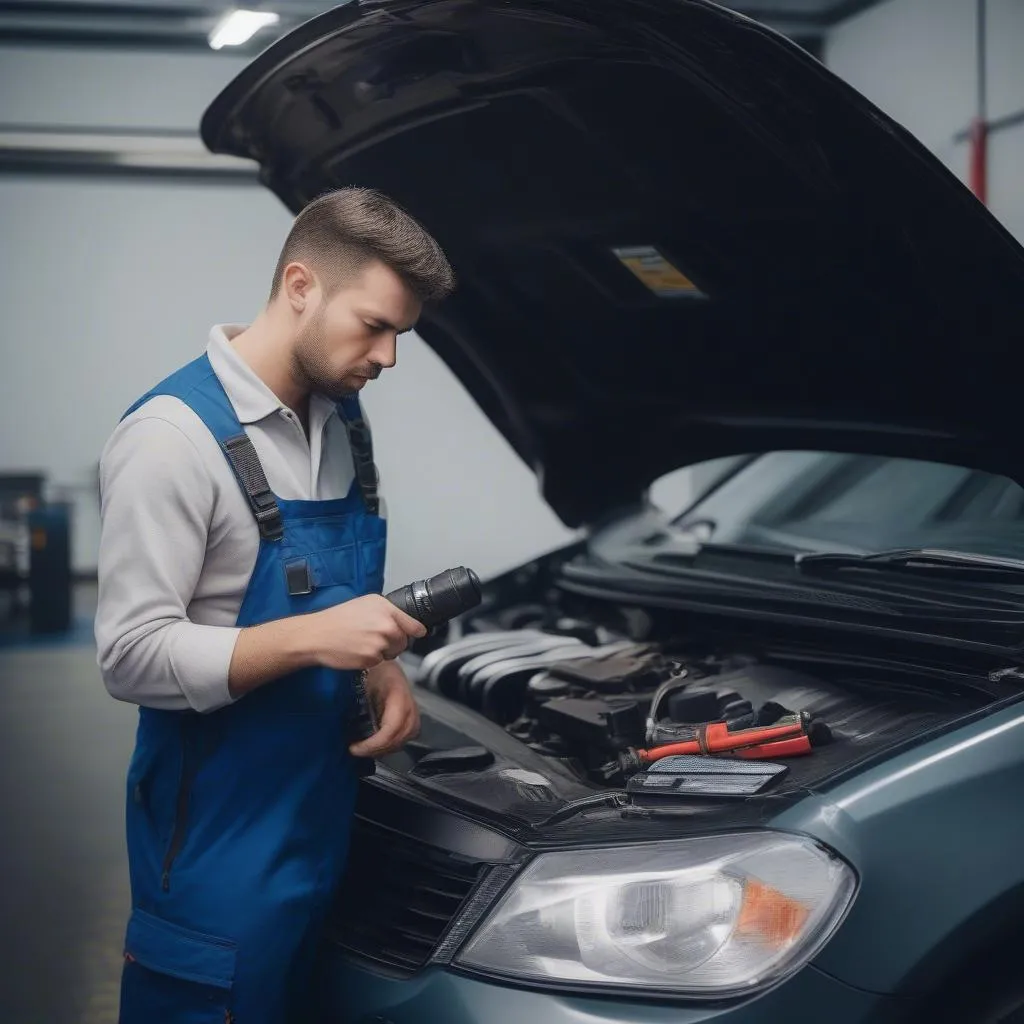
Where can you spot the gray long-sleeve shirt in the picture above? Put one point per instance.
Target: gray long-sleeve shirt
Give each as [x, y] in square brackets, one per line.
[178, 541]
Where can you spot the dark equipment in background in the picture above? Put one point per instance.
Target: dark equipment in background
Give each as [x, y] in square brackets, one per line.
[35, 554]
[19, 494]
[431, 602]
[49, 568]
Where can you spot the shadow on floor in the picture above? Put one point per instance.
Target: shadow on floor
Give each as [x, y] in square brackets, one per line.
[64, 749]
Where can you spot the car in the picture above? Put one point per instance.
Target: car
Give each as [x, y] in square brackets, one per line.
[682, 241]
[815, 501]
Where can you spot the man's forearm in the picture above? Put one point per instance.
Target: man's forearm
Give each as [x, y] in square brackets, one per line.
[269, 651]
[350, 636]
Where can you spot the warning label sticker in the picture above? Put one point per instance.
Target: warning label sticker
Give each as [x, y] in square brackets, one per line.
[654, 271]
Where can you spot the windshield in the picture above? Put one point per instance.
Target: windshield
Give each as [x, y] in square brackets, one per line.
[820, 501]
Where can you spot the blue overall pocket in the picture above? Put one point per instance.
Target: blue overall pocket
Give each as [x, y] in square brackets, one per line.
[175, 975]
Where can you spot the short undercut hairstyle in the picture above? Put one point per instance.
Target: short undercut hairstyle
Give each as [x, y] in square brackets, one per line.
[341, 232]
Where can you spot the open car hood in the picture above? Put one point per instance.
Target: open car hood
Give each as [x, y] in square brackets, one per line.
[678, 236]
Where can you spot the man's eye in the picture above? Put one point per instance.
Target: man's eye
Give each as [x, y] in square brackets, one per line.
[373, 327]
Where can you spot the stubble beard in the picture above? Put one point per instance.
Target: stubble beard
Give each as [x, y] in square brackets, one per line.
[311, 366]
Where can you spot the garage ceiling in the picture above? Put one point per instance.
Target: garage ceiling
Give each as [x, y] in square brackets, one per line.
[185, 24]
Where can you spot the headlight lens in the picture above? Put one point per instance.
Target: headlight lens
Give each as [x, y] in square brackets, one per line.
[712, 916]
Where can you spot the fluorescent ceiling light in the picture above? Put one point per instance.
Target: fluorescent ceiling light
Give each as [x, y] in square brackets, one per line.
[239, 26]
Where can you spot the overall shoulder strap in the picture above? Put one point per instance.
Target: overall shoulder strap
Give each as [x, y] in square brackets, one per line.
[361, 443]
[201, 390]
[248, 469]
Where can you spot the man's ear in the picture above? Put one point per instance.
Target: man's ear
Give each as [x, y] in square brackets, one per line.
[298, 286]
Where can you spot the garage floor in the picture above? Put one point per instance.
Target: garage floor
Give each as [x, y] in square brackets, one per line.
[64, 748]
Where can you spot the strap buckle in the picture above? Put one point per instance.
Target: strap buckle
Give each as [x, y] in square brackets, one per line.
[245, 462]
[269, 523]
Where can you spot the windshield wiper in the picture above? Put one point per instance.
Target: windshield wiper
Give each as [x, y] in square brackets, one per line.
[920, 561]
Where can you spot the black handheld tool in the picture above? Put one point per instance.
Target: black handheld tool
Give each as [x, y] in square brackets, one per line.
[431, 602]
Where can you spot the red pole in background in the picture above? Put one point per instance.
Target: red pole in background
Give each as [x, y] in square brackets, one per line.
[978, 171]
[979, 159]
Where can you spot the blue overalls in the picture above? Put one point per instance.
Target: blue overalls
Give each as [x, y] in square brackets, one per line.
[238, 821]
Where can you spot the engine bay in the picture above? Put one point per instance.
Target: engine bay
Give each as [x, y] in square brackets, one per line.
[614, 694]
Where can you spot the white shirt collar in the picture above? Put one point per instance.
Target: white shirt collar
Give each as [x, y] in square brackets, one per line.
[251, 399]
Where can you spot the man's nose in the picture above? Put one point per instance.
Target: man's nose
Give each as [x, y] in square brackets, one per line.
[385, 352]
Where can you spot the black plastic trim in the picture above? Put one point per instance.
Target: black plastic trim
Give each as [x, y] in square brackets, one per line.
[433, 825]
[1000, 656]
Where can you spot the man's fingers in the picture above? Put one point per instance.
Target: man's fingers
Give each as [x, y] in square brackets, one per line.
[382, 742]
[389, 733]
[394, 641]
[395, 647]
[409, 625]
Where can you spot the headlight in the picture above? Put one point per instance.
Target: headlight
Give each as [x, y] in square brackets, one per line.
[712, 916]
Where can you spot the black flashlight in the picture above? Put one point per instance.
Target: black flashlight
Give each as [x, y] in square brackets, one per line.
[431, 602]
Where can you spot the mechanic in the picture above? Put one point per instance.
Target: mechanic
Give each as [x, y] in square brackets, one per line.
[240, 575]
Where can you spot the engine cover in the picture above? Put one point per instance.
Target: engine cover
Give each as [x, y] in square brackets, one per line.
[599, 724]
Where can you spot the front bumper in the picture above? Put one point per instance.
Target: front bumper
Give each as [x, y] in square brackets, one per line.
[358, 996]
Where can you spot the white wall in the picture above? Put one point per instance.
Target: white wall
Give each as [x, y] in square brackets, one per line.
[916, 60]
[109, 89]
[109, 285]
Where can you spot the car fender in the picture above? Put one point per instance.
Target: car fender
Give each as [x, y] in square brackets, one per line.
[935, 835]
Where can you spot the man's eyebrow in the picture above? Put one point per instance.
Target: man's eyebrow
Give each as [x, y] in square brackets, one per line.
[387, 323]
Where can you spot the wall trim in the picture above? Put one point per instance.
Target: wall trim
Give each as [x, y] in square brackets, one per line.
[109, 152]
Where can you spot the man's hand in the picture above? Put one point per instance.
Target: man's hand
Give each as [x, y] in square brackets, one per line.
[359, 634]
[397, 714]
[362, 633]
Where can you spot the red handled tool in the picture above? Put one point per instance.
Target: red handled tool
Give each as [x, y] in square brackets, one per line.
[715, 738]
[792, 736]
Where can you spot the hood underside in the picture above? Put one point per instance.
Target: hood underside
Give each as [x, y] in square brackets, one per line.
[677, 235]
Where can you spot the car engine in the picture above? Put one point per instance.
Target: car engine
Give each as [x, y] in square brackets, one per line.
[583, 694]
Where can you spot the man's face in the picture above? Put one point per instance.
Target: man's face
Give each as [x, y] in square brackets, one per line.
[350, 336]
